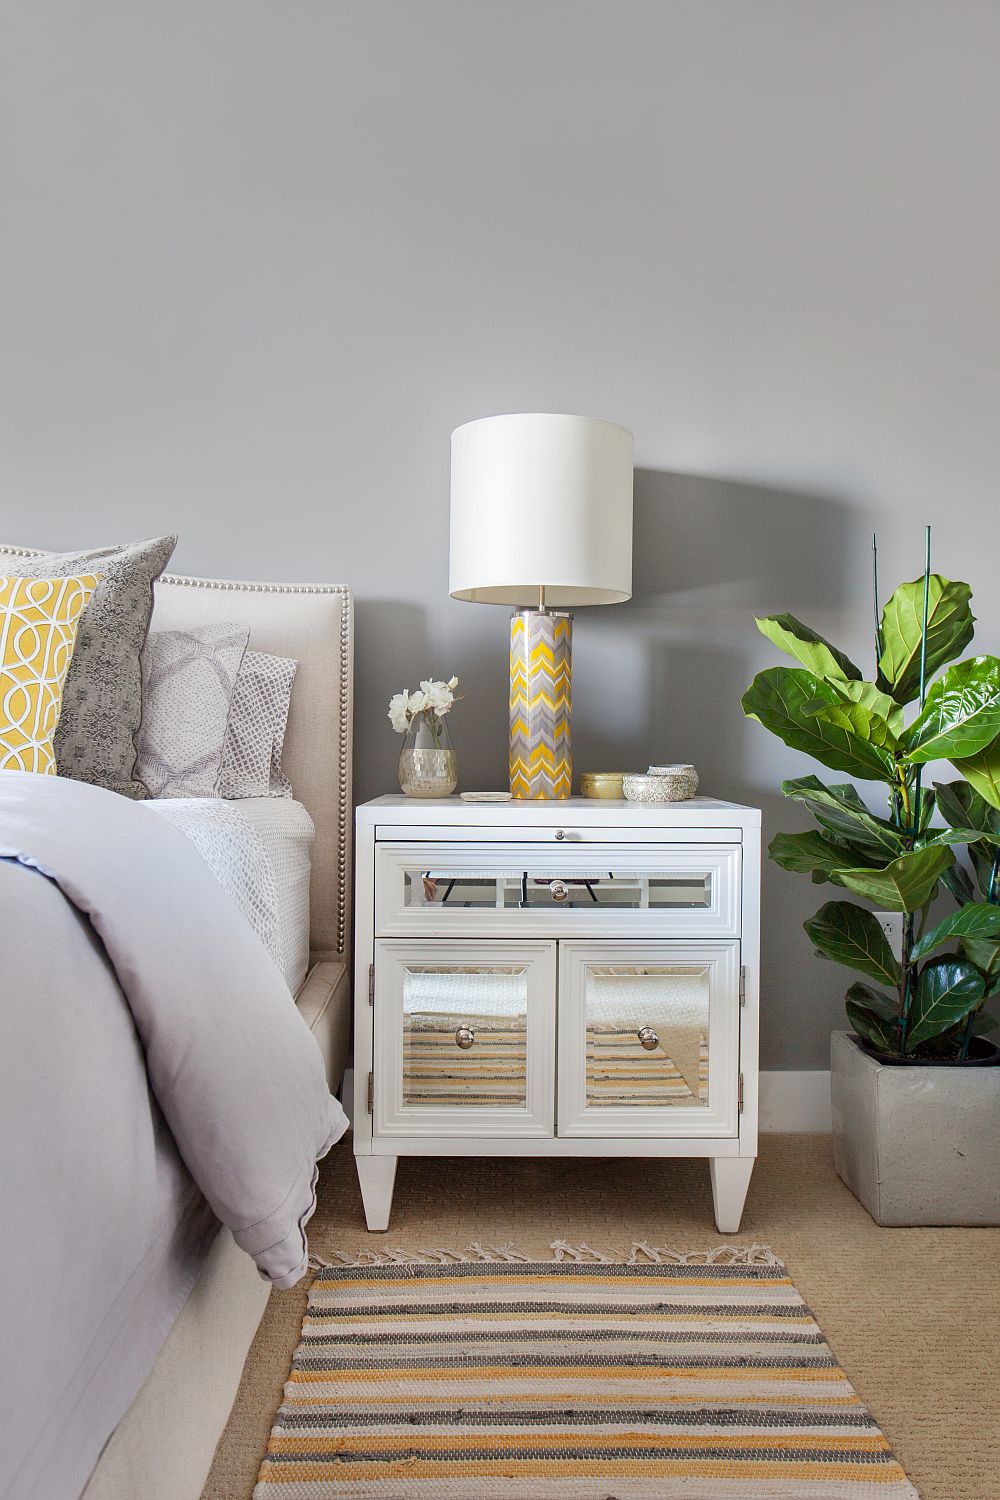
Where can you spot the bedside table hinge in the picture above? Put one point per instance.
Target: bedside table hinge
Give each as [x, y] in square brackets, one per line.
[371, 984]
[371, 1093]
[739, 1095]
[743, 984]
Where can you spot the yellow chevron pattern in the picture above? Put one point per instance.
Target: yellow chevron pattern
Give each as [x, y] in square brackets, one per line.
[541, 672]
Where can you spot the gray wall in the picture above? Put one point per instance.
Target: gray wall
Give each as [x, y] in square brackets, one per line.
[259, 258]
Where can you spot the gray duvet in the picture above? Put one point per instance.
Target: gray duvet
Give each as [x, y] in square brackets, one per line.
[155, 1078]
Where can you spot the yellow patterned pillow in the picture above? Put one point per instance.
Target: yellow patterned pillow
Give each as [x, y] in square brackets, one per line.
[38, 623]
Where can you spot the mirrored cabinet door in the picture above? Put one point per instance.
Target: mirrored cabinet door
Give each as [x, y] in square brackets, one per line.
[648, 1039]
[466, 1037]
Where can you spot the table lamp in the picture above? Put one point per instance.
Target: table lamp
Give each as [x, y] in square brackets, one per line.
[541, 518]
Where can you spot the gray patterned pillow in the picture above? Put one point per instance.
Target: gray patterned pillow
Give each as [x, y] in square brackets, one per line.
[251, 758]
[188, 680]
[95, 738]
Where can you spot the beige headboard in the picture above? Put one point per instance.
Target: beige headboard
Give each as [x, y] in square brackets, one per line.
[314, 623]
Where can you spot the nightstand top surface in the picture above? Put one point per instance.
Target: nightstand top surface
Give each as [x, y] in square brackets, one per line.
[570, 811]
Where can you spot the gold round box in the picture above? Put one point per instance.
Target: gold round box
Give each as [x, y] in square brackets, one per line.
[606, 785]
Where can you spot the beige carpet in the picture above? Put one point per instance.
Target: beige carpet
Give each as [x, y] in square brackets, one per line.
[910, 1313]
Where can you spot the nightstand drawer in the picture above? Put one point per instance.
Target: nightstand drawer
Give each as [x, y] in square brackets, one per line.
[675, 890]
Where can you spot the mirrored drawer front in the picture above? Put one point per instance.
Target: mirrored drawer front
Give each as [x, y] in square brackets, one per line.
[648, 1038]
[464, 1038]
[682, 889]
[465, 1035]
[647, 1035]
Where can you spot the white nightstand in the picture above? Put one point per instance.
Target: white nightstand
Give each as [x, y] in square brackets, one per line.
[573, 978]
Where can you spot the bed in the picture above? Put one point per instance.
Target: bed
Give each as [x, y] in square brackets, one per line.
[162, 1446]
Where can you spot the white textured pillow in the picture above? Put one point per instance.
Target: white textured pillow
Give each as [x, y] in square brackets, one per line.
[188, 678]
[251, 757]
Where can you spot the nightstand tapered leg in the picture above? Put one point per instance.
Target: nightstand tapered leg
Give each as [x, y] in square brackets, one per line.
[377, 1175]
[730, 1181]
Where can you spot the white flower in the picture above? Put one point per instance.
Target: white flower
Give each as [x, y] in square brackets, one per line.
[433, 697]
[439, 695]
[398, 714]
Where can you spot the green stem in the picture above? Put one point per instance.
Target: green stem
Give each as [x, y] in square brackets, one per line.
[908, 981]
[878, 623]
[923, 667]
[904, 793]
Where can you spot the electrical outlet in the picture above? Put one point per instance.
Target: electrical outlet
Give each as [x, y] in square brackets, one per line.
[891, 923]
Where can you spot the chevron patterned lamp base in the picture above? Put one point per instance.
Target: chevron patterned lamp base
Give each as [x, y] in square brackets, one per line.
[541, 670]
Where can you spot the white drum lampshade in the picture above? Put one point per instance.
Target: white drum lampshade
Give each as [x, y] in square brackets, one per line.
[541, 518]
[541, 502]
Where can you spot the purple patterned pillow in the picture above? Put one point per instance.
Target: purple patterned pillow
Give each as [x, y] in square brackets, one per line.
[188, 678]
[251, 757]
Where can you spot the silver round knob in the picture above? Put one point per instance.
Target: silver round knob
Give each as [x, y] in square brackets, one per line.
[648, 1038]
[560, 835]
[464, 1038]
[559, 890]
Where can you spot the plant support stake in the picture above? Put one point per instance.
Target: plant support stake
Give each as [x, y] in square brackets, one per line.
[908, 979]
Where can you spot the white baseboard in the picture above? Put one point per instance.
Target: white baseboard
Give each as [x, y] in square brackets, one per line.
[788, 1101]
[794, 1102]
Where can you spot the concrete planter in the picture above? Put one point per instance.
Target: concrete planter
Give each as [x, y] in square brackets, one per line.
[916, 1145]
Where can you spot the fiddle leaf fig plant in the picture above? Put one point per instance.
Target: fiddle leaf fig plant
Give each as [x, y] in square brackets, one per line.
[930, 1000]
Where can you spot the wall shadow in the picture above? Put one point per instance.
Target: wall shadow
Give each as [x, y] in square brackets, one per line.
[661, 678]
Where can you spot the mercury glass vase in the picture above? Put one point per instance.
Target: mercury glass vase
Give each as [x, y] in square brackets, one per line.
[428, 765]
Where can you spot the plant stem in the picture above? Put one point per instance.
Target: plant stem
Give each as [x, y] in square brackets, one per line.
[878, 623]
[904, 794]
[908, 978]
[909, 968]
[923, 666]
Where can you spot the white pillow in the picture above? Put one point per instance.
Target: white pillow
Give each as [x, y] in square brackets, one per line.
[251, 756]
[188, 678]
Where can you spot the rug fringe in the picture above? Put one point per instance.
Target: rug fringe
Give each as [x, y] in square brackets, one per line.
[639, 1253]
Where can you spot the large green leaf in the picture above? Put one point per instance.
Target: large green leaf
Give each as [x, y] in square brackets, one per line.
[842, 813]
[945, 992]
[950, 627]
[961, 714]
[985, 954]
[861, 721]
[928, 803]
[784, 700]
[800, 641]
[869, 696]
[957, 881]
[906, 884]
[982, 771]
[850, 935]
[979, 920]
[874, 1017]
[963, 807]
[939, 836]
[983, 856]
[811, 853]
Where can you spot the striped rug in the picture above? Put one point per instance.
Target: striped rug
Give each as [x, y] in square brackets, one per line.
[694, 1375]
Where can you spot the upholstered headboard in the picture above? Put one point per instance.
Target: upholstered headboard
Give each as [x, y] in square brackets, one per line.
[314, 624]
